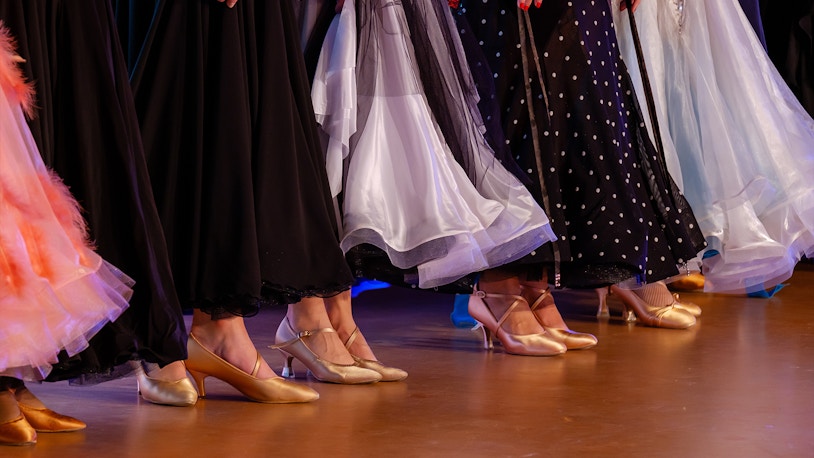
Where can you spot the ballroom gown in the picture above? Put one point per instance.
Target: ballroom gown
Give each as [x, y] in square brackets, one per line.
[418, 179]
[87, 131]
[234, 155]
[575, 129]
[743, 143]
[55, 292]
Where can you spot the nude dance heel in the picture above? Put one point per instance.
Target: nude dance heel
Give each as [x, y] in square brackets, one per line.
[541, 344]
[635, 309]
[16, 431]
[292, 345]
[689, 307]
[573, 340]
[41, 418]
[629, 315]
[389, 374]
[179, 393]
[203, 363]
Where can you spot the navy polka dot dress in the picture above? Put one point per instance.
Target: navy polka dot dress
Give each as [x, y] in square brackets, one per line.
[617, 213]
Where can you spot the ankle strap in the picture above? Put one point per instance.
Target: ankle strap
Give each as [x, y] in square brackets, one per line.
[543, 293]
[351, 338]
[517, 301]
[299, 335]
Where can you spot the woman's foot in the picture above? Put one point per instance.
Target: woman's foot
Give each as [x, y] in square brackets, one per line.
[40, 417]
[545, 311]
[228, 339]
[170, 373]
[340, 315]
[166, 385]
[521, 320]
[636, 309]
[500, 309]
[339, 309]
[311, 314]
[14, 429]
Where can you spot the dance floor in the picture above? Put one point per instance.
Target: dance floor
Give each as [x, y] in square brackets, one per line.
[738, 384]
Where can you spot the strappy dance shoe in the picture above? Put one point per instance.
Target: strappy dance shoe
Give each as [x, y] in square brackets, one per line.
[573, 340]
[203, 363]
[16, 431]
[636, 309]
[389, 374]
[41, 418]
[292, 345]
[541, 344]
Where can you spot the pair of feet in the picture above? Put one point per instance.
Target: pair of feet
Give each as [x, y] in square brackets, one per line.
[520, 310]
[229, 339]
[22, 415]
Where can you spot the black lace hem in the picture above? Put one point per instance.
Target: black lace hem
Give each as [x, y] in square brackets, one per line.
[247, 305]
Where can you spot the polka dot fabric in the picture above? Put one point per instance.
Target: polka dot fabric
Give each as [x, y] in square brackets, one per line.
[617, 213]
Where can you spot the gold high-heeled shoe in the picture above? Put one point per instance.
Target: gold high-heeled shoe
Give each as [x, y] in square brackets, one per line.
[16, 431]
[635, 309]
[573, 340]
[603, 311]
[389, 374]
[202, 363]
[541, 344]
[180, 393]
[292, 345]
[689, 307]
[41, 418]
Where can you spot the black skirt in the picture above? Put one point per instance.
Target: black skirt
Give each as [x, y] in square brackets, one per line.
[232, 145]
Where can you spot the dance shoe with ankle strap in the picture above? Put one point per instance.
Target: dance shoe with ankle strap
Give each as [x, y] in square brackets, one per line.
[389, 374]
[540, 344]
[41, 418]
[16, 431]
[292, 345]
[179, 393]
[636, 309]
[203, 363]
[573, 340]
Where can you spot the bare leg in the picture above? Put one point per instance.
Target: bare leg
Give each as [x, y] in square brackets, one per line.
[340, 313]
[547, 312]
[229, 339]
[521, 321]
[309, 315]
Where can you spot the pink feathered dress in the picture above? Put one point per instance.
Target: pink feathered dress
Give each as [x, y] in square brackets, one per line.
[55, 291]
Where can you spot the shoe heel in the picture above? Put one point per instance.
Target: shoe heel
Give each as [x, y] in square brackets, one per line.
[629, 315]
[487, 337]
[288, 370]
[199, 381]
[602, 311]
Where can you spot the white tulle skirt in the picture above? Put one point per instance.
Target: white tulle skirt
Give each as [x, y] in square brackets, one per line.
[736, 139]
[55, 292]
[404, 191]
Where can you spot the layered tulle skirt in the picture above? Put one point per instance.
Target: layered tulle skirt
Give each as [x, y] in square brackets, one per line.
[734, 133]
[428, 192]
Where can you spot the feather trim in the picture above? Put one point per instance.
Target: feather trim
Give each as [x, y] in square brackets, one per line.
[11, 76]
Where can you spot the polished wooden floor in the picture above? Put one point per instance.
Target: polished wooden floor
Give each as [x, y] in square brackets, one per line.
[738, 384]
